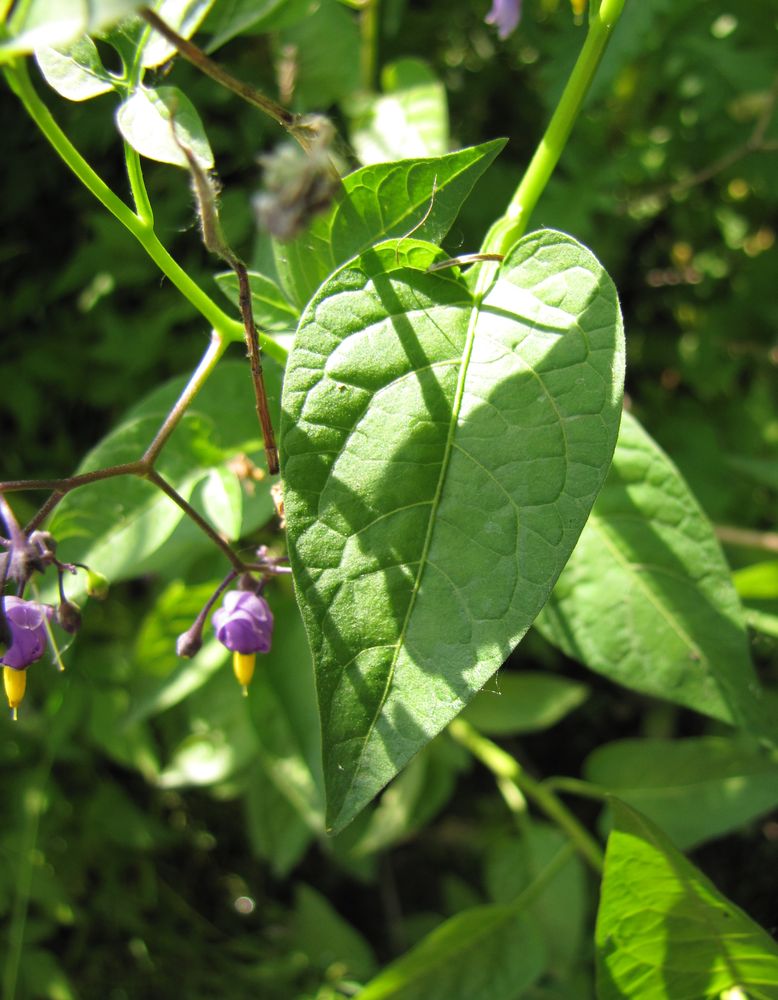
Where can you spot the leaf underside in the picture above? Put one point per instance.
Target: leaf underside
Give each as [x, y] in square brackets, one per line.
[440, 458]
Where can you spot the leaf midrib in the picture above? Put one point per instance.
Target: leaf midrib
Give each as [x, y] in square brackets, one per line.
[435, 504]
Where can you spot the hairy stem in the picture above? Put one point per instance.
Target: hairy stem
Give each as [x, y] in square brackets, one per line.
[505, 767]
[206, 65]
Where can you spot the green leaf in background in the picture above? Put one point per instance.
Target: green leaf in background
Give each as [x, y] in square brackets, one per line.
[647, 598]
[183, 16]
[758, 582]
[665, 932]
[694, 789]
[514, 703]
[486, 953]
[118, 526]
[326, 938]
[222, 499]
[75, 72]
[440, 458]
[559, 911]
[379, 202]
[414, 797]
[114, 524]
[221, 740]
[282, 709]
[59, 23]
[146, 120]
[326, 46]
[273, 313]
[276, 831]
[229, 18]
[409, 120]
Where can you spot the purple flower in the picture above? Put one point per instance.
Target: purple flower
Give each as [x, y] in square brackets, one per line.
[28, 632]
[244, 622]
[506, 14]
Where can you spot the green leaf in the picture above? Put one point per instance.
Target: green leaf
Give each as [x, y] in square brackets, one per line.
[414, 797]
[379, 202]
[223, 502]
[229, 18]
[75, 72]
[326, 938]
[326, 47]
[183, 16]
[282, 709]
[440, 457]
[113, 524]
[222, 740]
[647, 598]
[59, 23]
[117, 526]
[409, 120]
[758, 582]
[273, 312]
[486, 953]
[146, 120]
[664, 932]
[513, 703]
[559, 912]
[694, 789]
[277, 832]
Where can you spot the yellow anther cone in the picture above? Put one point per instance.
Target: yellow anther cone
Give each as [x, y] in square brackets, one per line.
[15, 683]
[243, 667]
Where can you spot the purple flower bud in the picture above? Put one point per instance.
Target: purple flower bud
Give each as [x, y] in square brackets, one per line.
[190, 643]
[68, 616]
[244, 622]
[28, 632]
[505, 14]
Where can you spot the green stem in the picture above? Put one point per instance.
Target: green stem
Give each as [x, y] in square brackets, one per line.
[138, 186]
[368, 45]
[227, 327]
[34, 799]
[513, 224]
[505, 767]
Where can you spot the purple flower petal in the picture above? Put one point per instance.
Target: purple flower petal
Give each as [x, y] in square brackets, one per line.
[28, 632]
[505, 14]
[244, 622]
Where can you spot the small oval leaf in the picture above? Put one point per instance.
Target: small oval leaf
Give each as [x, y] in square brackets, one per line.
[146, 120]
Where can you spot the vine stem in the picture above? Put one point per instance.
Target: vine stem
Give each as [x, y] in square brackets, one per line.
[207, 364]
[228, 328]
[206, 65]
[368, 46]
[513, 224]
[506, 768]
[154, 477]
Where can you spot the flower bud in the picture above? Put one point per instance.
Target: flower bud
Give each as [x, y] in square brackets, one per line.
[190, 642]
[244, 624]
[68, 616]
[96, 585]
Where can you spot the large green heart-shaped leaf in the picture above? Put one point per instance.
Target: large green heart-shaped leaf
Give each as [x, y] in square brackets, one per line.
[441, 454]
